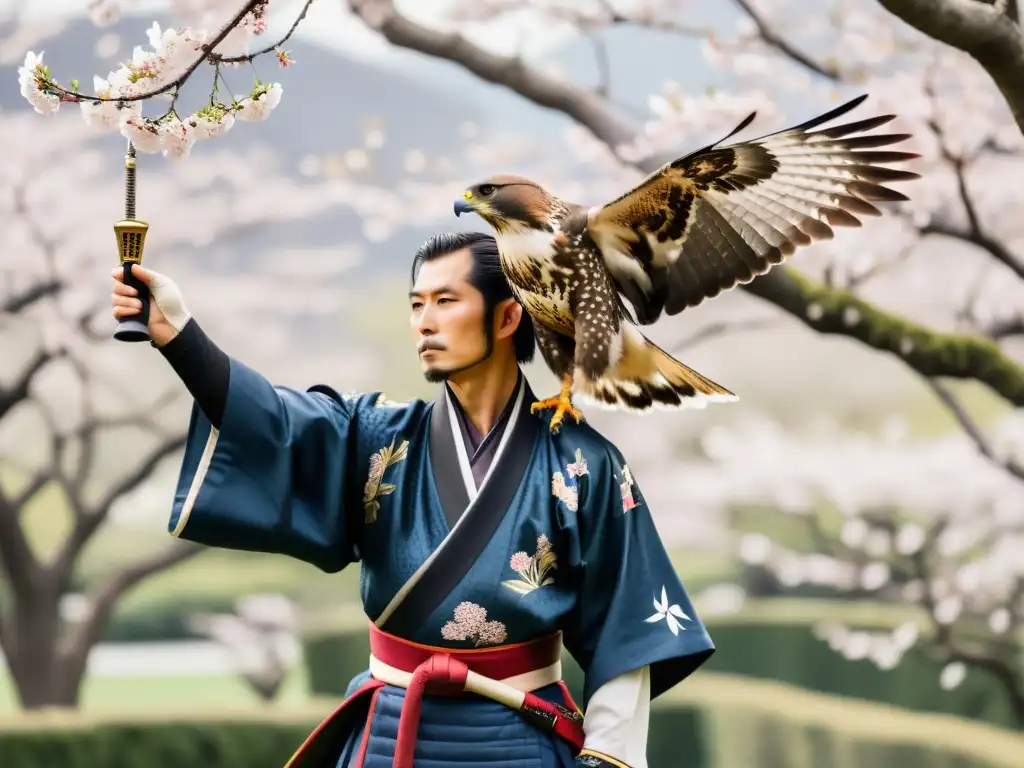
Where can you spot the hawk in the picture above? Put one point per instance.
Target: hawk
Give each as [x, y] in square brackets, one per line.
[699, 225]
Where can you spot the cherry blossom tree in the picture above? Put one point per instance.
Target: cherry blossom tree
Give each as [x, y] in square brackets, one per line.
[86, 424]
[951, 70]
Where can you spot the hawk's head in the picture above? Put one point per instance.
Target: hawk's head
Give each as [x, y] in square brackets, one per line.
[510, 204]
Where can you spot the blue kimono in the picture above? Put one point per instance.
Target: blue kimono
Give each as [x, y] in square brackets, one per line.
[554, 535]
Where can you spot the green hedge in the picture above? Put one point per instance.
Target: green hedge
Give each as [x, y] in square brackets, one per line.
[212, 741]
[166, 620]
[775, 640]
[772, 639]
[743, 723]
[715, 721]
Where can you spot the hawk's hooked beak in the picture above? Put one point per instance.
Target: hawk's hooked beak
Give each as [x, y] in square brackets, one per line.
[462, 205]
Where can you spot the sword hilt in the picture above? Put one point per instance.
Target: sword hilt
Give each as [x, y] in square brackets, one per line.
[129, 182]
[131, 240]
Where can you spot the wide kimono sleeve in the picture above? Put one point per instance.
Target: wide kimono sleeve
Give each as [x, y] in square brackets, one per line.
[633, 610]
[280, 475]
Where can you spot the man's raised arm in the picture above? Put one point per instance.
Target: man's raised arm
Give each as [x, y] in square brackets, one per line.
[265, 468]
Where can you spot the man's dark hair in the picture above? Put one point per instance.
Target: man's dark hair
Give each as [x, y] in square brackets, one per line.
[486, 276]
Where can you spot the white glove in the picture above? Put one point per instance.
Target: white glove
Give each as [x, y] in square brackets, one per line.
[168, 298]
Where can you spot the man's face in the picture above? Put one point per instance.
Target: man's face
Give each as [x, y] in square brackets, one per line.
[447, 316]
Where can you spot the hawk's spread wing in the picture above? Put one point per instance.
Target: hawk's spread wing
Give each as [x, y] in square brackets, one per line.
[723, 215]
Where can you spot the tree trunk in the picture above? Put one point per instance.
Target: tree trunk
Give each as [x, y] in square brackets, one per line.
[33, 655]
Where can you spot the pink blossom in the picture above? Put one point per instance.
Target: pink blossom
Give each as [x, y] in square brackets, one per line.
[453, 631]
[520, 562]
[471, 615]
[491, 633]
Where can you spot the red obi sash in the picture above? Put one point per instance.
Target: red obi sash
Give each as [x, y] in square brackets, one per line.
[506, 674]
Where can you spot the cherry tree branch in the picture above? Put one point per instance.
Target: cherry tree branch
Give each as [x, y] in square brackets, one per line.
[977, 237]
[774, 40]
[1003, 329]
[973, 431]
[717, 330]
[665, 25]
[581, 104]
[174, 85]
[974, 233]
[104, 599]
[16, 557]
[19, 391]
[89, 518]
[604, 69]
[823, 309]
[25, 299]
[986, 32]
[244, 59]
[956, 649]
[930, 353]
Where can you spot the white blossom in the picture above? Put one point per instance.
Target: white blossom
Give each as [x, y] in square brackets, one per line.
[29, 75]
[258, 105]
[143, 134]
[209, 123]
[176, 138]
[952, 675]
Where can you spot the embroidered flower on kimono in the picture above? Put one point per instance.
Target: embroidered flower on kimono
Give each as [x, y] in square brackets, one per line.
[668, 614]
[520, 562]
[533, 571]
[471, 624]
[382, 401]
[374, 489]
[626, 489]
[567, 494]
[568, 491]
[470, 614]
[627, 475]
[579, 467]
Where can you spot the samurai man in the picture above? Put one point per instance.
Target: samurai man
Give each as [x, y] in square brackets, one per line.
[486, 543]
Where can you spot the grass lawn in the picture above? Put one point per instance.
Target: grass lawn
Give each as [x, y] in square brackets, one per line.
[179, 694]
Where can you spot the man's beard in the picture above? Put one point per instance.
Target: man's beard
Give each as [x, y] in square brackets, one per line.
[437, 375]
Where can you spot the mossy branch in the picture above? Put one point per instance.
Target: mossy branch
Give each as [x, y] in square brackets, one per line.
[930, 353]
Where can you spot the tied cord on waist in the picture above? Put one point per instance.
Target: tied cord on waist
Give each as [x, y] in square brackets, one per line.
[443, 673]
[446, 676]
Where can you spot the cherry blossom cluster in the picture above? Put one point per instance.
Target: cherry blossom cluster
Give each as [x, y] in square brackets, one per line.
[905, 535]
[471, 623]
[158, 73]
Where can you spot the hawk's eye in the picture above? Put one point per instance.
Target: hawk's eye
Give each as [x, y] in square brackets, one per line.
[486, 190]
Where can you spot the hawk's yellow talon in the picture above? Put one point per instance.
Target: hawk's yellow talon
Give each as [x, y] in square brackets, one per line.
[562, 404]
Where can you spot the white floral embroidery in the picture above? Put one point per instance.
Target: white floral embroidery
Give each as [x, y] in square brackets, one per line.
[668, 614]
[567, 494]
[563, 491]
[579, 467]
[382, 401]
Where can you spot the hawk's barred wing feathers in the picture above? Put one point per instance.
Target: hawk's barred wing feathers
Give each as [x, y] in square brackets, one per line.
[723, 215]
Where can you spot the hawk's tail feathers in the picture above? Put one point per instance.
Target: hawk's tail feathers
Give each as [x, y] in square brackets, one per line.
[646, 378]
